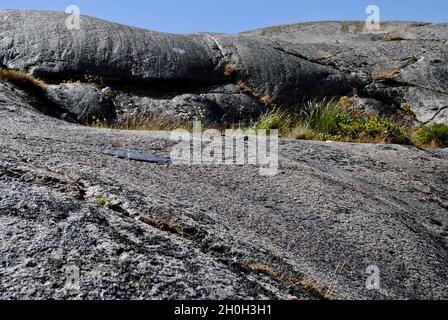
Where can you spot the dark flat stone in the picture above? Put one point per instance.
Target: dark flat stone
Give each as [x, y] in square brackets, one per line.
[136, 155]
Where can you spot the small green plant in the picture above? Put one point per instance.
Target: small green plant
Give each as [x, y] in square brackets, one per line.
[102, 201]
[433, 136]
[274, 119]
[373, 128]
[23, 80]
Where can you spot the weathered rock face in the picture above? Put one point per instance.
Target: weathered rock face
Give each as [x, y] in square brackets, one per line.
[401, 63]
[124, 229]
[85, 102]
[334, 214]
[404, 62]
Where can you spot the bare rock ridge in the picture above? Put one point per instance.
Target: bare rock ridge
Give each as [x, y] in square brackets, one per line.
[76, 204]
[225, 78]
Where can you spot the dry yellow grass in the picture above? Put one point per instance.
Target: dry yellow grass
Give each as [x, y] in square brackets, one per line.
[168, 224]
[151, 122]
[230, 69]
[307, 284]
[385, 75]
[299, 134]
[265, 99]
[259, 268]
[23, 80]
[405, 107]
[289, 278]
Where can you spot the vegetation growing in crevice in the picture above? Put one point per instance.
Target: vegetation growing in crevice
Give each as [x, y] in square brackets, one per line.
[340, 121]
[23, 80]
[393, 38]
[103, 201]
[264, 98]
[150, 122]
[432, 136]
[385, 75]
[230, 69]
[88, 78]
[168, 224]
[284, 275]
[333, 120]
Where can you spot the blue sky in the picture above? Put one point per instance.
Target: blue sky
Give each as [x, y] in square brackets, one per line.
[230, 16]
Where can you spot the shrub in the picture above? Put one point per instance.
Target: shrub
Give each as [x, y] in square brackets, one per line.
[331, 120]
[374, 128]
[434, 135]
[23, 80]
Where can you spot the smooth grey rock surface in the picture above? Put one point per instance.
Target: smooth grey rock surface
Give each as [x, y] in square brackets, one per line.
[413, 53]
[140, 230]
[283, 65]
[192, 232]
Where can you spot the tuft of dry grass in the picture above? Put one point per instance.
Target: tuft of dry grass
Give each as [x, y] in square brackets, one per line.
[23, 80]
[300, 133]
[265, 99]
[289, 278]
[259, 268]
[151, 122]
[393, 38]
[307, 284]
[385, 75]
[405, 107]
[230, 69]
[168, 224]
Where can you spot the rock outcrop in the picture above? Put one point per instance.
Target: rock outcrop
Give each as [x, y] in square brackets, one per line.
[403, 63]
[131, 229]
[84, 217]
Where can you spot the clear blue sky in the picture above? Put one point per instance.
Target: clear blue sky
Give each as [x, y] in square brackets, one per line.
[230, 16]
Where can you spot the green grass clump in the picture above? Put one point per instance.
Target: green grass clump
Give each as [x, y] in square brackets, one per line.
[275, 119]
[102, 201]
[332, 120]
[433, 136]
